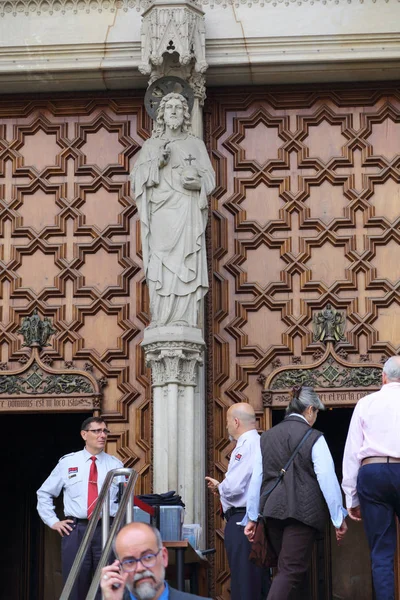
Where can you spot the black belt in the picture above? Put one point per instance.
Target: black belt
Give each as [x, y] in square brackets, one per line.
[86, 521]
[370, 460]
[232, 511]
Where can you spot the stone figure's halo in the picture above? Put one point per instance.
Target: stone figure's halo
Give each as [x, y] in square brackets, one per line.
[163, 86]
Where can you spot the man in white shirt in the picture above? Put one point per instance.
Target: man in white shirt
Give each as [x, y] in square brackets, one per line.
[80, 475]
[371, 474]
[246, 578]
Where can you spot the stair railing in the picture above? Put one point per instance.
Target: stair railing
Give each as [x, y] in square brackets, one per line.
[125, 509]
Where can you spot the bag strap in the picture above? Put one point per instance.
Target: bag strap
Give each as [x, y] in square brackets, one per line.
[289, 462]
[295, 451]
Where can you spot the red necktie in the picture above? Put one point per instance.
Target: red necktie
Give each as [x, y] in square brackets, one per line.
[92, 488]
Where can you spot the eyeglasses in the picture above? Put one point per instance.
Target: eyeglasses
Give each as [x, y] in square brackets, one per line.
[129, 565]
[99, 431]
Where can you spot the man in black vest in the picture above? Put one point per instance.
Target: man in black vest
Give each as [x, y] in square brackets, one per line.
[139, 572]
[296, 508]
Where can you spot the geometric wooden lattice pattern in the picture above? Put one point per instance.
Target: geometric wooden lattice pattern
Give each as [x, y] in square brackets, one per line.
[306, 213]
[69, 247]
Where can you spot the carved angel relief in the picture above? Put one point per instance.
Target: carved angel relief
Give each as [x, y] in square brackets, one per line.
[329, 325]
[35, 331]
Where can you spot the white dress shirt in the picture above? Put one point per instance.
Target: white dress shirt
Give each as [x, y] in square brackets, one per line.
[72, 475]
[324, 470]
[233, 489]
[374, 431]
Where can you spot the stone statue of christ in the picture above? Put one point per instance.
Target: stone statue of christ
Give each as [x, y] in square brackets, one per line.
[171, 180]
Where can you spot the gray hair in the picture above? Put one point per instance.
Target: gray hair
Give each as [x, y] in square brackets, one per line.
[302, 398]
[391, 368]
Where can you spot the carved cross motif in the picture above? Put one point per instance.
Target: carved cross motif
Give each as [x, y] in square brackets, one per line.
[190, 159]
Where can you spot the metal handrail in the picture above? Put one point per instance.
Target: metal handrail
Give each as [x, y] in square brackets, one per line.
[102, 504]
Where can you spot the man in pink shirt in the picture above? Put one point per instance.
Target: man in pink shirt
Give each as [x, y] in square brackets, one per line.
[371, 474]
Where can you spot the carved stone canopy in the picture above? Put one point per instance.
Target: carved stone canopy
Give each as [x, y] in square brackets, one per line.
[337, 382]
[174, 29]
[36, 387]
[170, 27]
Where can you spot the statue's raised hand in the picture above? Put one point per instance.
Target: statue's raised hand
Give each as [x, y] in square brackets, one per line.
[165, 153]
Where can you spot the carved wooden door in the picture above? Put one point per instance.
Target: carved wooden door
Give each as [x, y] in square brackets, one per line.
[306, 213]
[69, 247]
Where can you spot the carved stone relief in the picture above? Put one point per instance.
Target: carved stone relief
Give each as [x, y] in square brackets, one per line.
[61, 7]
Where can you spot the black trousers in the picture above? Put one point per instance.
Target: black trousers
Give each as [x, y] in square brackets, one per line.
[293, 543]
[69, 549]
[378, 487]
[247, 580]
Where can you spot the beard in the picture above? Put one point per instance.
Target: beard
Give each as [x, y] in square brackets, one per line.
[149, 589]
[174, 123]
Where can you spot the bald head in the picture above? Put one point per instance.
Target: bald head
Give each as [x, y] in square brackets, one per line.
[239, 419]
[243, 411]
[391, 369]
[143, 558]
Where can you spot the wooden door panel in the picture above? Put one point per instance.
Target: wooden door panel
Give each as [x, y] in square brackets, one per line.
[69, 247]
[305, 213]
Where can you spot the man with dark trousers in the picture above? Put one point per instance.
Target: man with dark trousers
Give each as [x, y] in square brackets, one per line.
[246, 578]
[139, 571]
[371, 474]
[80, 475]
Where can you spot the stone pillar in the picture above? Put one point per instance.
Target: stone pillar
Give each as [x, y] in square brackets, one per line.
[174, 353]
[173, 44]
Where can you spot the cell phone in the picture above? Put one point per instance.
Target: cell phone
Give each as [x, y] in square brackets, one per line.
[116, 586]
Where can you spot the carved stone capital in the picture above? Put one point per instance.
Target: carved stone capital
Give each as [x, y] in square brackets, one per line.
[173, 354]
[174, 30]
[197, 82]
[173, 362]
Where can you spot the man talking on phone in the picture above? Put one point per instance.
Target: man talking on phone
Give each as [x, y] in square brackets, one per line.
[139, 571]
